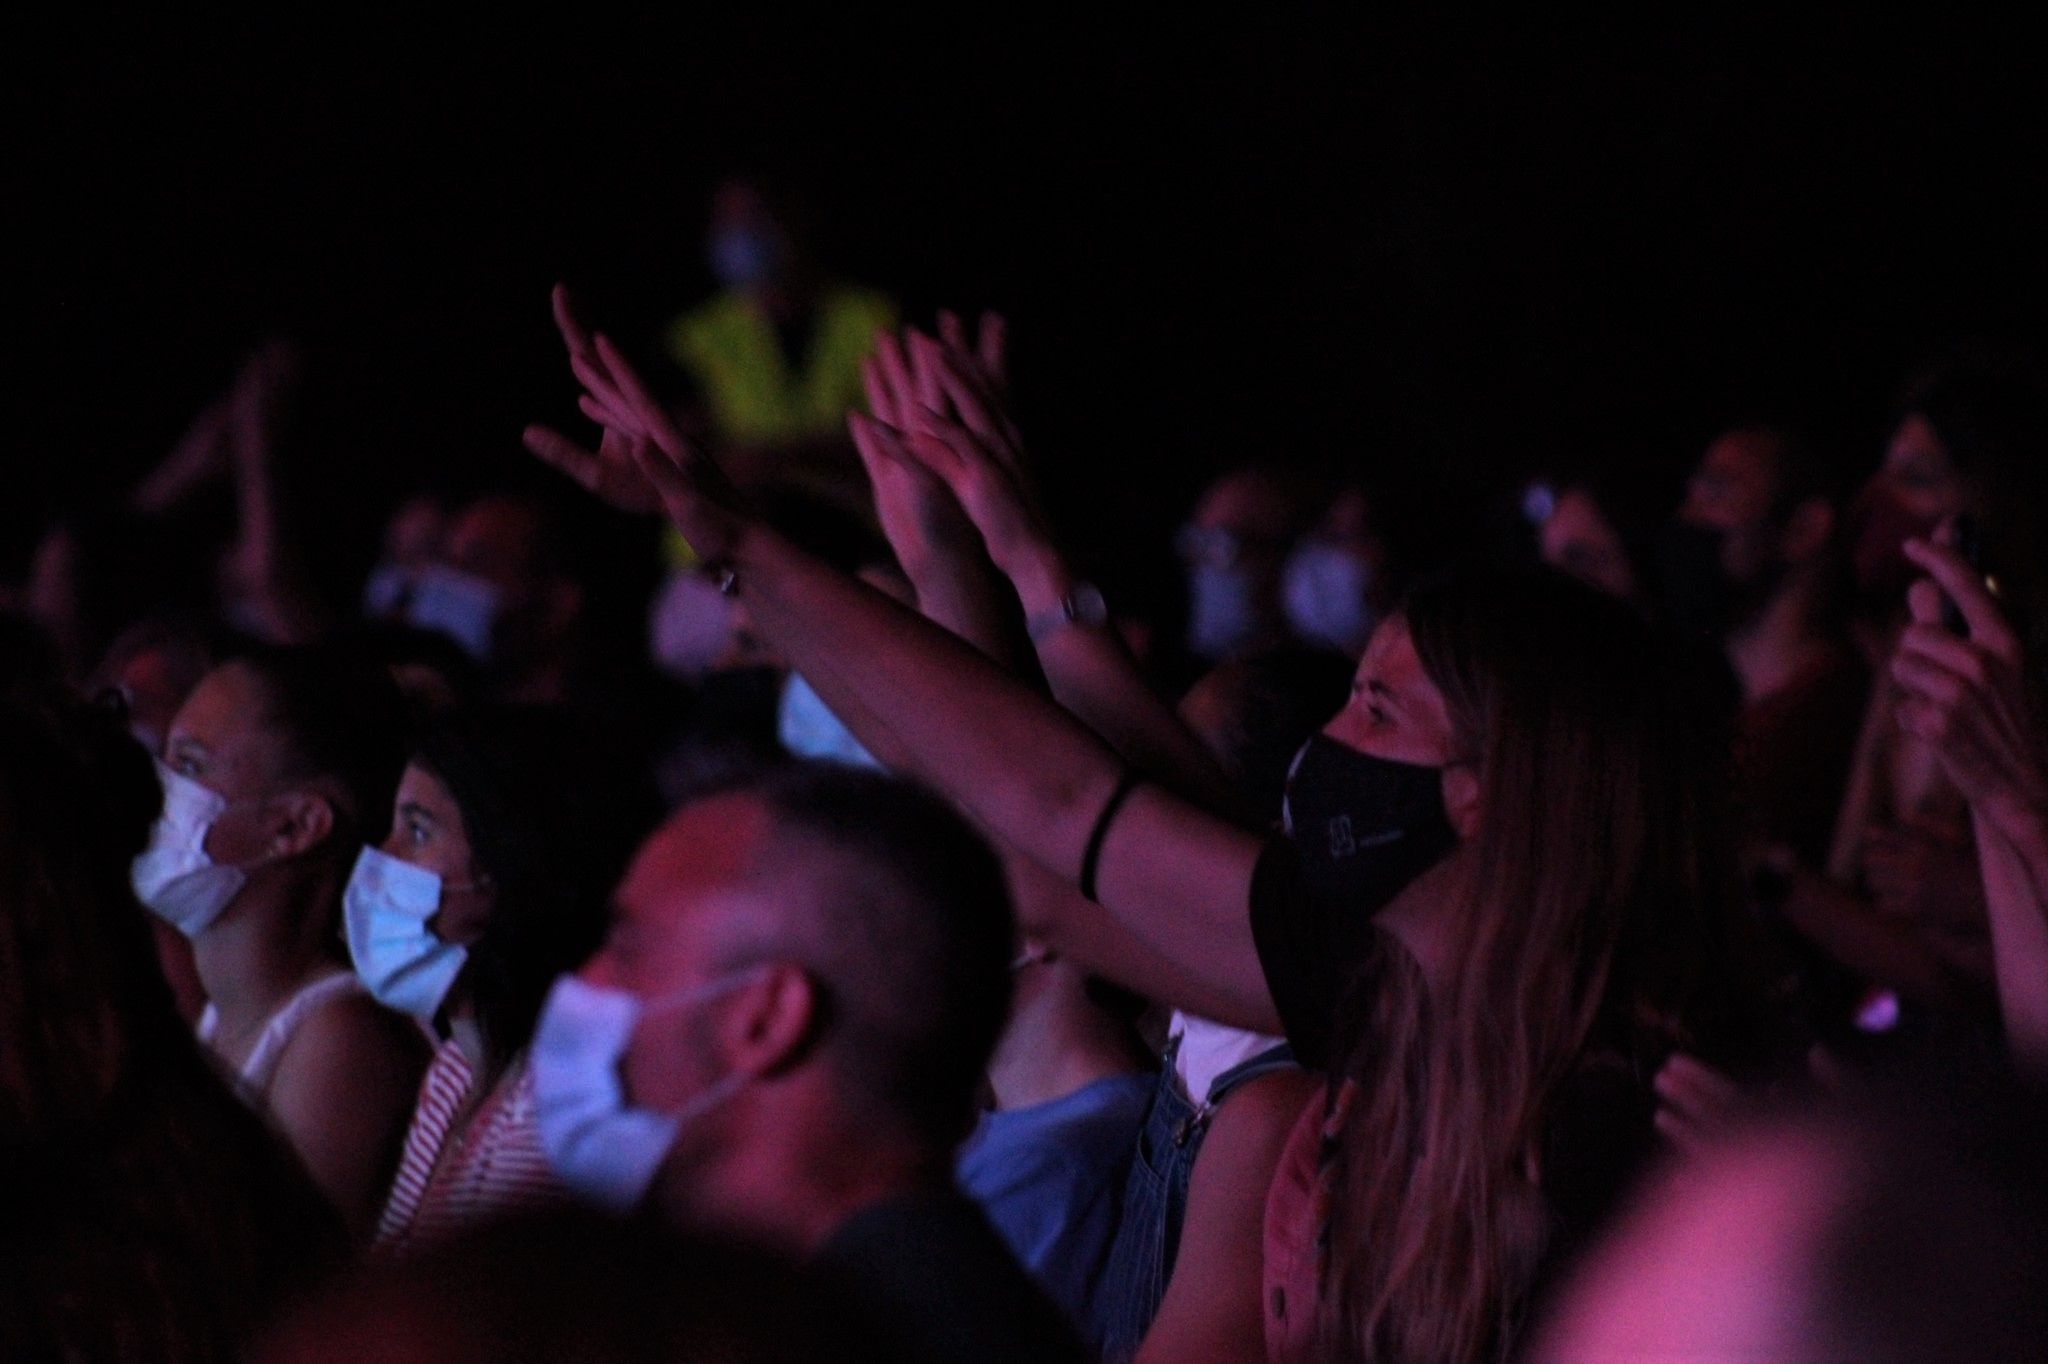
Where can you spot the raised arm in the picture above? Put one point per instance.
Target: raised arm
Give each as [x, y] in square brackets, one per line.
[1968, 699]
[1176, 877]
[970, 441]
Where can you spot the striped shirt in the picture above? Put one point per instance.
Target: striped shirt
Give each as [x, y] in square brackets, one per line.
[468, 1158]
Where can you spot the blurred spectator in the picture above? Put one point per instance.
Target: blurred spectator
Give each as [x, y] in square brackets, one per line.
[148, 1214]
[578, 1290]
[1908, 1225]
[776, 354]
[783, 1037]
[274, 769]
[509, 830]
[1234, 548]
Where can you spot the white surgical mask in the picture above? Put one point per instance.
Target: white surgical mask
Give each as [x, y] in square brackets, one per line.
[1324, 593]
[460, 606]
[386, 909]
[173, 876]
[605, 1150]
[1221, 616]
[386, 589]
[808, 729]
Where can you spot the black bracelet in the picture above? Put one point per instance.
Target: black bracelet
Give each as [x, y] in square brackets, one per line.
[1093, 853]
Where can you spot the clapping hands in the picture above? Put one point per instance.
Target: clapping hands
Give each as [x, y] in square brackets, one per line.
[643, 462]
[940, 425]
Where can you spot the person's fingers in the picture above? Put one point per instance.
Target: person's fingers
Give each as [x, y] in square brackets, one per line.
[937, 454]
[896, 375]
[1929, 680]
[1699, 1083]
[971, 454]
[1679, 1130]
[881, 402]
[1935, 645]
[611, 419]
[860, 428]
[573, 336]
[951, 332]
[662, 474]
[654, 418]
[975, 410]
[924, 353]
[993, 349]
[597, 381]
[1924, 602]
[577, 461]
[1963, 587]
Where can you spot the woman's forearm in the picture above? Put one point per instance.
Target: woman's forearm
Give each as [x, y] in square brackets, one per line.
[1175, 880]
[1094, 677]
[951, 716]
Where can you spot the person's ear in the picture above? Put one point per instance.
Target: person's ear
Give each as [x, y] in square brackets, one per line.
[1808, 530]
[1461, 799]
[298, 821]
[774, 1021]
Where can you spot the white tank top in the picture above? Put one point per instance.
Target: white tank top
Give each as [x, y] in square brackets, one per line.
[257, 1071]
[1208, 1049]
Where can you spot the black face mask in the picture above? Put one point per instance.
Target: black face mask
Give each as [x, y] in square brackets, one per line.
[1364, 827]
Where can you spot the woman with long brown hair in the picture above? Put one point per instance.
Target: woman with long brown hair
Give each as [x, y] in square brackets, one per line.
[1491, 1062]
[1507, 1007]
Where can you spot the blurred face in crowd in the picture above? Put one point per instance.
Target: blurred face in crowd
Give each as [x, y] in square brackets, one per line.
[1916, 488]
[1734, 491]
[496, 541]
[221, 740]
[1234, 547]
[1333, 581]
[748, 247]
[1577, 538]
[427, 830]
[412, 537]
[694, 900]
[1919, 474]
[154, 682]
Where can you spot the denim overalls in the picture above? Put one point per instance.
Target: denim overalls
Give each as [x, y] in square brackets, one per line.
[1156, 1199]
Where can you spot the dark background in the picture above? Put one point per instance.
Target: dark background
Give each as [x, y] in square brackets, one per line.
[1468, 251]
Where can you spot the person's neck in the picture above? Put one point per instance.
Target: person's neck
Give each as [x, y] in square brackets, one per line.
[1054, 1048]
[1422, 918]
[1774, 647]
[796, 1178]
[259, 951]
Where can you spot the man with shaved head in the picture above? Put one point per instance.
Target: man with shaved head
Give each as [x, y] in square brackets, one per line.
[784, 1037]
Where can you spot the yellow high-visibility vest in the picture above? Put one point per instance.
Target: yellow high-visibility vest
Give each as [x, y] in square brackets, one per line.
[730, 348]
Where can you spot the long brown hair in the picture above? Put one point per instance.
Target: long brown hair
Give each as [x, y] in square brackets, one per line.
[149, 1214]
[1585, 907]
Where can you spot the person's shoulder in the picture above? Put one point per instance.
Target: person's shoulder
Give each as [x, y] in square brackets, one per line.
[934, 1270]
[354, 1033]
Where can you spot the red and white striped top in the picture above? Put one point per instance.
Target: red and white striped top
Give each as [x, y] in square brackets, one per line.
[466, 1162]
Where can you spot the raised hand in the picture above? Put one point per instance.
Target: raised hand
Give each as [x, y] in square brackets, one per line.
[1695, 1102]
[948, 412]
[643, 462]
[1966, 697]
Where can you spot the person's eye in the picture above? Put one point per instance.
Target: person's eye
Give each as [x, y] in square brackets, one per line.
[417, 832]
[185, 765]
